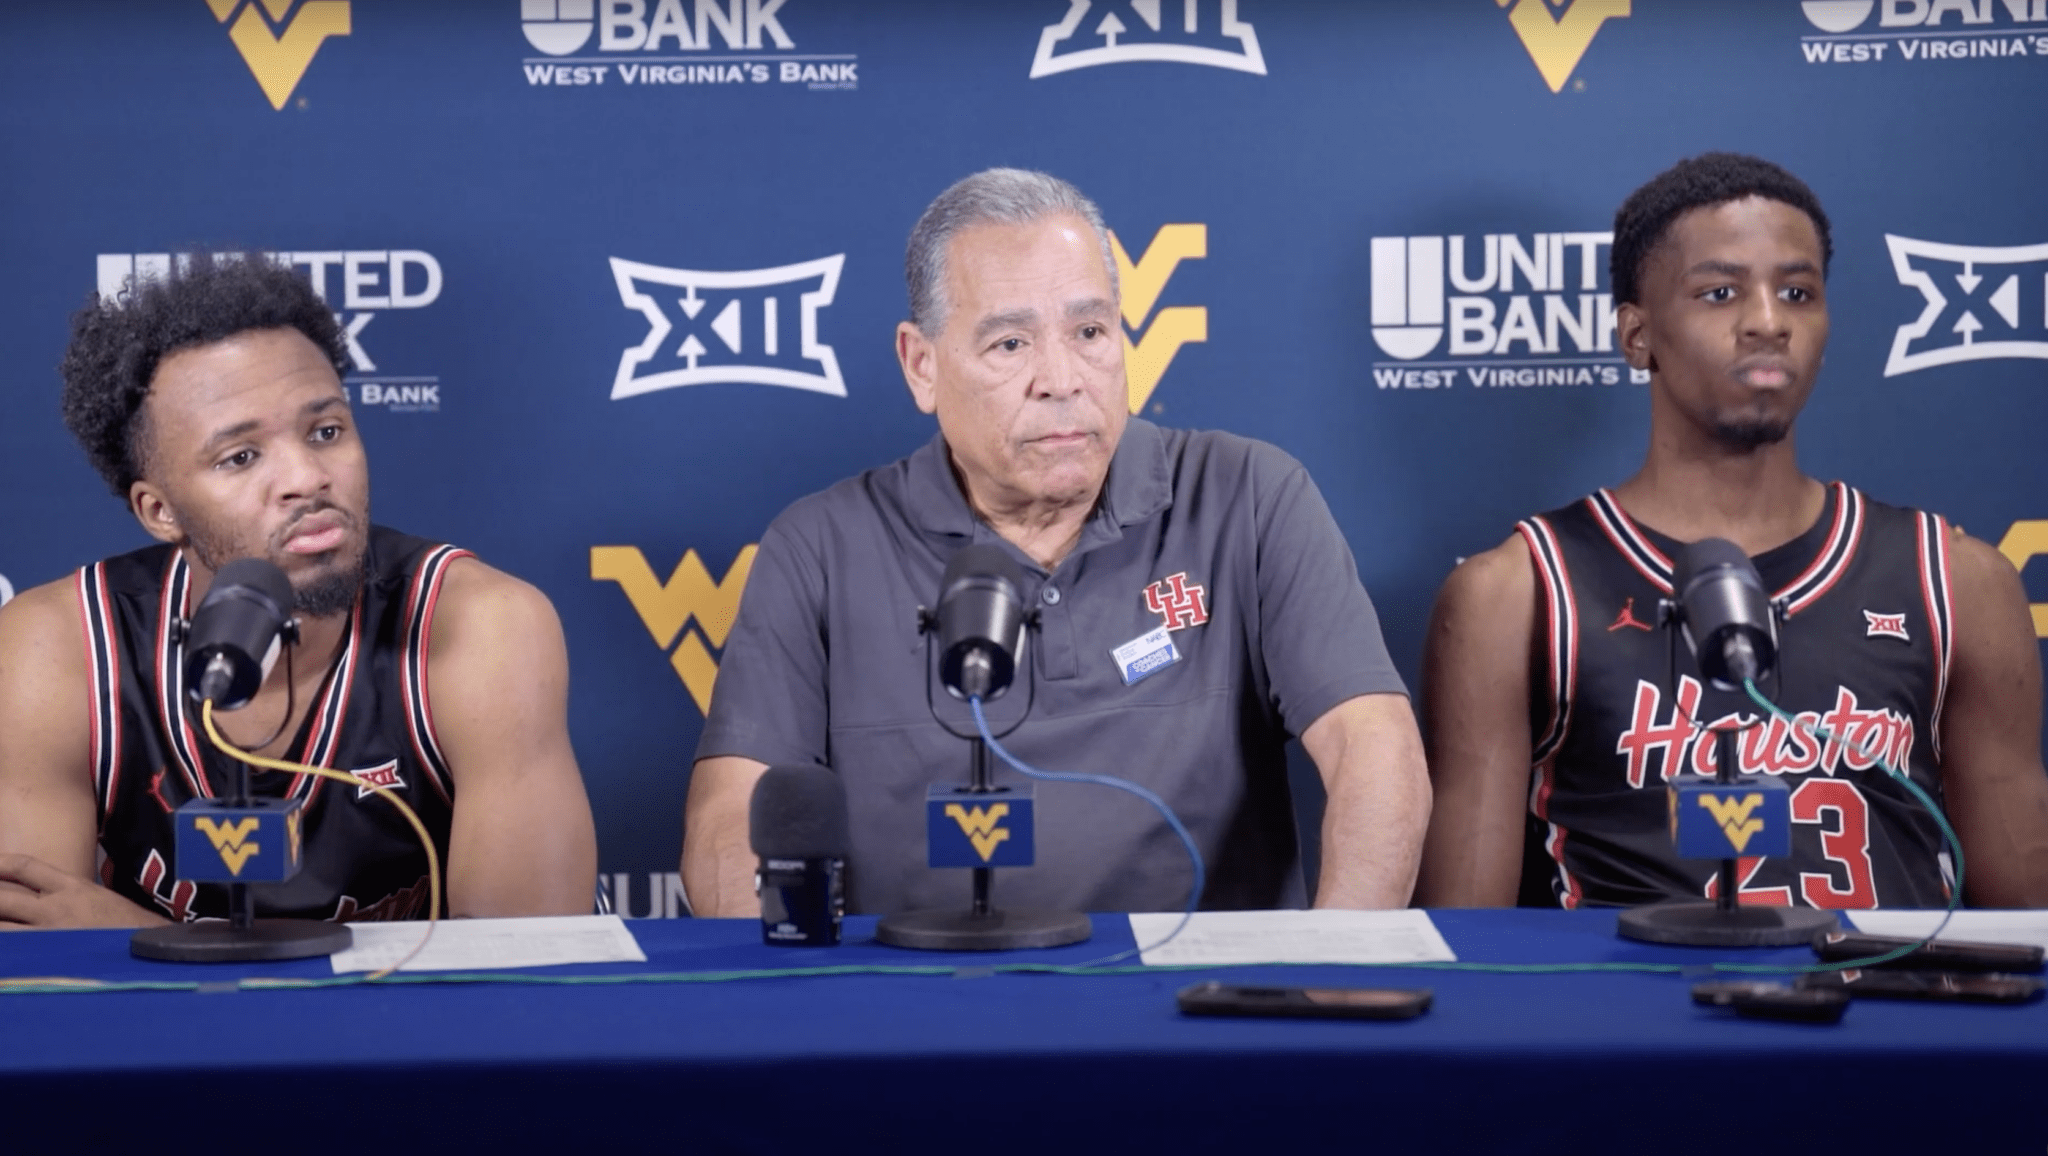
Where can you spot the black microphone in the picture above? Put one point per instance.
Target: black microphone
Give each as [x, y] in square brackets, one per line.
[1727, 615]
[235, 637]
[981, 622]
[797, 824]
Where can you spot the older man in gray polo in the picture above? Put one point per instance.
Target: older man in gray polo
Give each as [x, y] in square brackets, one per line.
[1119, 527]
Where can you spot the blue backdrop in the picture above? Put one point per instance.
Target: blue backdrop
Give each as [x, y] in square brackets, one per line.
[622, 274]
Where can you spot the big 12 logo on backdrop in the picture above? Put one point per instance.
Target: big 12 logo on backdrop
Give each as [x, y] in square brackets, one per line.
[1979, 303]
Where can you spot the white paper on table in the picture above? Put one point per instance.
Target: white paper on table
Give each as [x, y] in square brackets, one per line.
[2028, 928]
[1233, 937]
[489, 944]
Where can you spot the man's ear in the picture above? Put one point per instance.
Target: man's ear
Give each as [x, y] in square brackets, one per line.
[1634, 337]
[153, 510]
[919, 358]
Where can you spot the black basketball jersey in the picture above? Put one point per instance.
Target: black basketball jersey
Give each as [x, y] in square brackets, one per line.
[1864, 654]
[360, 859]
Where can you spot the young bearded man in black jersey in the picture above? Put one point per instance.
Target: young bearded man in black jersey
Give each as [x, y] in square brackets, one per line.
[1551, 718]
[212, 403]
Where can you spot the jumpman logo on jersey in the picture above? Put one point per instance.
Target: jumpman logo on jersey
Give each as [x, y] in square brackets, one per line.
[1627, 617]
[156, 791]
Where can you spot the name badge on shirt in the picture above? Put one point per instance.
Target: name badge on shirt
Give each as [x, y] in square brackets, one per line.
[1145, 655]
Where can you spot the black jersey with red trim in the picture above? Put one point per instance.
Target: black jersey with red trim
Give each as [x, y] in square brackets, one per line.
[1864, 654]
[360, 860]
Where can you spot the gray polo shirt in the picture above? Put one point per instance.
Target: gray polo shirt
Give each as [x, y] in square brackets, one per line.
[1224, 538]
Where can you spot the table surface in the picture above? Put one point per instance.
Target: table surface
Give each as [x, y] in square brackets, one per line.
[1574, 1061]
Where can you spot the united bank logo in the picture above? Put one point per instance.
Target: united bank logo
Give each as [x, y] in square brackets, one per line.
[1918, 30]
[368, 283]
[749, 327]
[669, 609]
[277, 43]
[1558, 40]
[1151, 340]
[1206, 32]
[673, 43]
[1980, 303]
[1538, 311]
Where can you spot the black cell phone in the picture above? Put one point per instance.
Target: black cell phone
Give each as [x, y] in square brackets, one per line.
[1941, 955]
[1345, 1003]
[1953, 986]
[1773, 1001]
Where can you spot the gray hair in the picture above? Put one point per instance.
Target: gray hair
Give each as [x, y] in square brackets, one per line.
[989, 197]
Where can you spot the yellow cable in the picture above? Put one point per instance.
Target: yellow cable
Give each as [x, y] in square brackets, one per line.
[426, 839]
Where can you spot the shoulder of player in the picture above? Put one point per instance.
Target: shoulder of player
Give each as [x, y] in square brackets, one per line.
[43, 674]
[1496, 585]
[1981, 576]
[41, 626]
[480, 606]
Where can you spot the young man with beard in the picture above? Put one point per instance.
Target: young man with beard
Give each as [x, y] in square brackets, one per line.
[211, 401]
[1545, 676]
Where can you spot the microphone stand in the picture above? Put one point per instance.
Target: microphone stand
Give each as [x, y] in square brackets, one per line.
[243, 936]
[1722, 921]
[983, 926]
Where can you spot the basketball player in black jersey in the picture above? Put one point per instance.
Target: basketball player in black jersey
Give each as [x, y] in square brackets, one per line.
[212, 403]
[1547, 699]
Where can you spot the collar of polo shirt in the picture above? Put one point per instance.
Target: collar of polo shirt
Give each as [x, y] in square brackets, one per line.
[1138, 487]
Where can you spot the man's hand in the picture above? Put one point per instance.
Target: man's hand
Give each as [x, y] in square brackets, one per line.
[35, 894]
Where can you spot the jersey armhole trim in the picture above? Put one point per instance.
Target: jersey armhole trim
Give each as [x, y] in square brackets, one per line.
[419, 711]
[1561, 633]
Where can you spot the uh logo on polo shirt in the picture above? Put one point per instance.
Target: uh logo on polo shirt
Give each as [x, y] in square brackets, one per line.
[1180, 603]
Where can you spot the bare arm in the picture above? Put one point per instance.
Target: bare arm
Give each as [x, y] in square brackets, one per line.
[1475, 710]
[1991, 774]
[718, 861]
[47, 824]
[1370, 757]
[498, 676]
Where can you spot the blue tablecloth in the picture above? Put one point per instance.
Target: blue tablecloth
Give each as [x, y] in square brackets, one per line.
[1003, 1063]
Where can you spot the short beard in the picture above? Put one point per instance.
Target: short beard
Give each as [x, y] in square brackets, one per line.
[332, 592]
[1747, 435]
[329, 594]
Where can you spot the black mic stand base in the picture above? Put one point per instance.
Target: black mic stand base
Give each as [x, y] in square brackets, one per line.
[951, 929]
[219, 941]
[1704, 923]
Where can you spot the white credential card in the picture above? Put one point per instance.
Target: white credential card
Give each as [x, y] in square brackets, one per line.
[491, 944]
[1233, 937]
[2028, 928]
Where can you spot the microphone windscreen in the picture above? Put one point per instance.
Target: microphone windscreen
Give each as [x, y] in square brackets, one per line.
[1706, 554]
[254, 574]
[799, 812]
[986, 559]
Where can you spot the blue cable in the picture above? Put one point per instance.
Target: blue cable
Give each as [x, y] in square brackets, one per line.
[1172, 820]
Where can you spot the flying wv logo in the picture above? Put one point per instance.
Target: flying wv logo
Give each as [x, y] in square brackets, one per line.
[1141, 283]
[1149, 30]
[2000, 306]
[751, 326]
[1734, 818]
[279, 59]
[666, 608]
[231, 840]
[979, 825]
[1558, 43]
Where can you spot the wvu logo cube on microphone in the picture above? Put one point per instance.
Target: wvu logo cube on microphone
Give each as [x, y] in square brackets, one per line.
[965, 828]
[1711, 820]
[219, 843]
